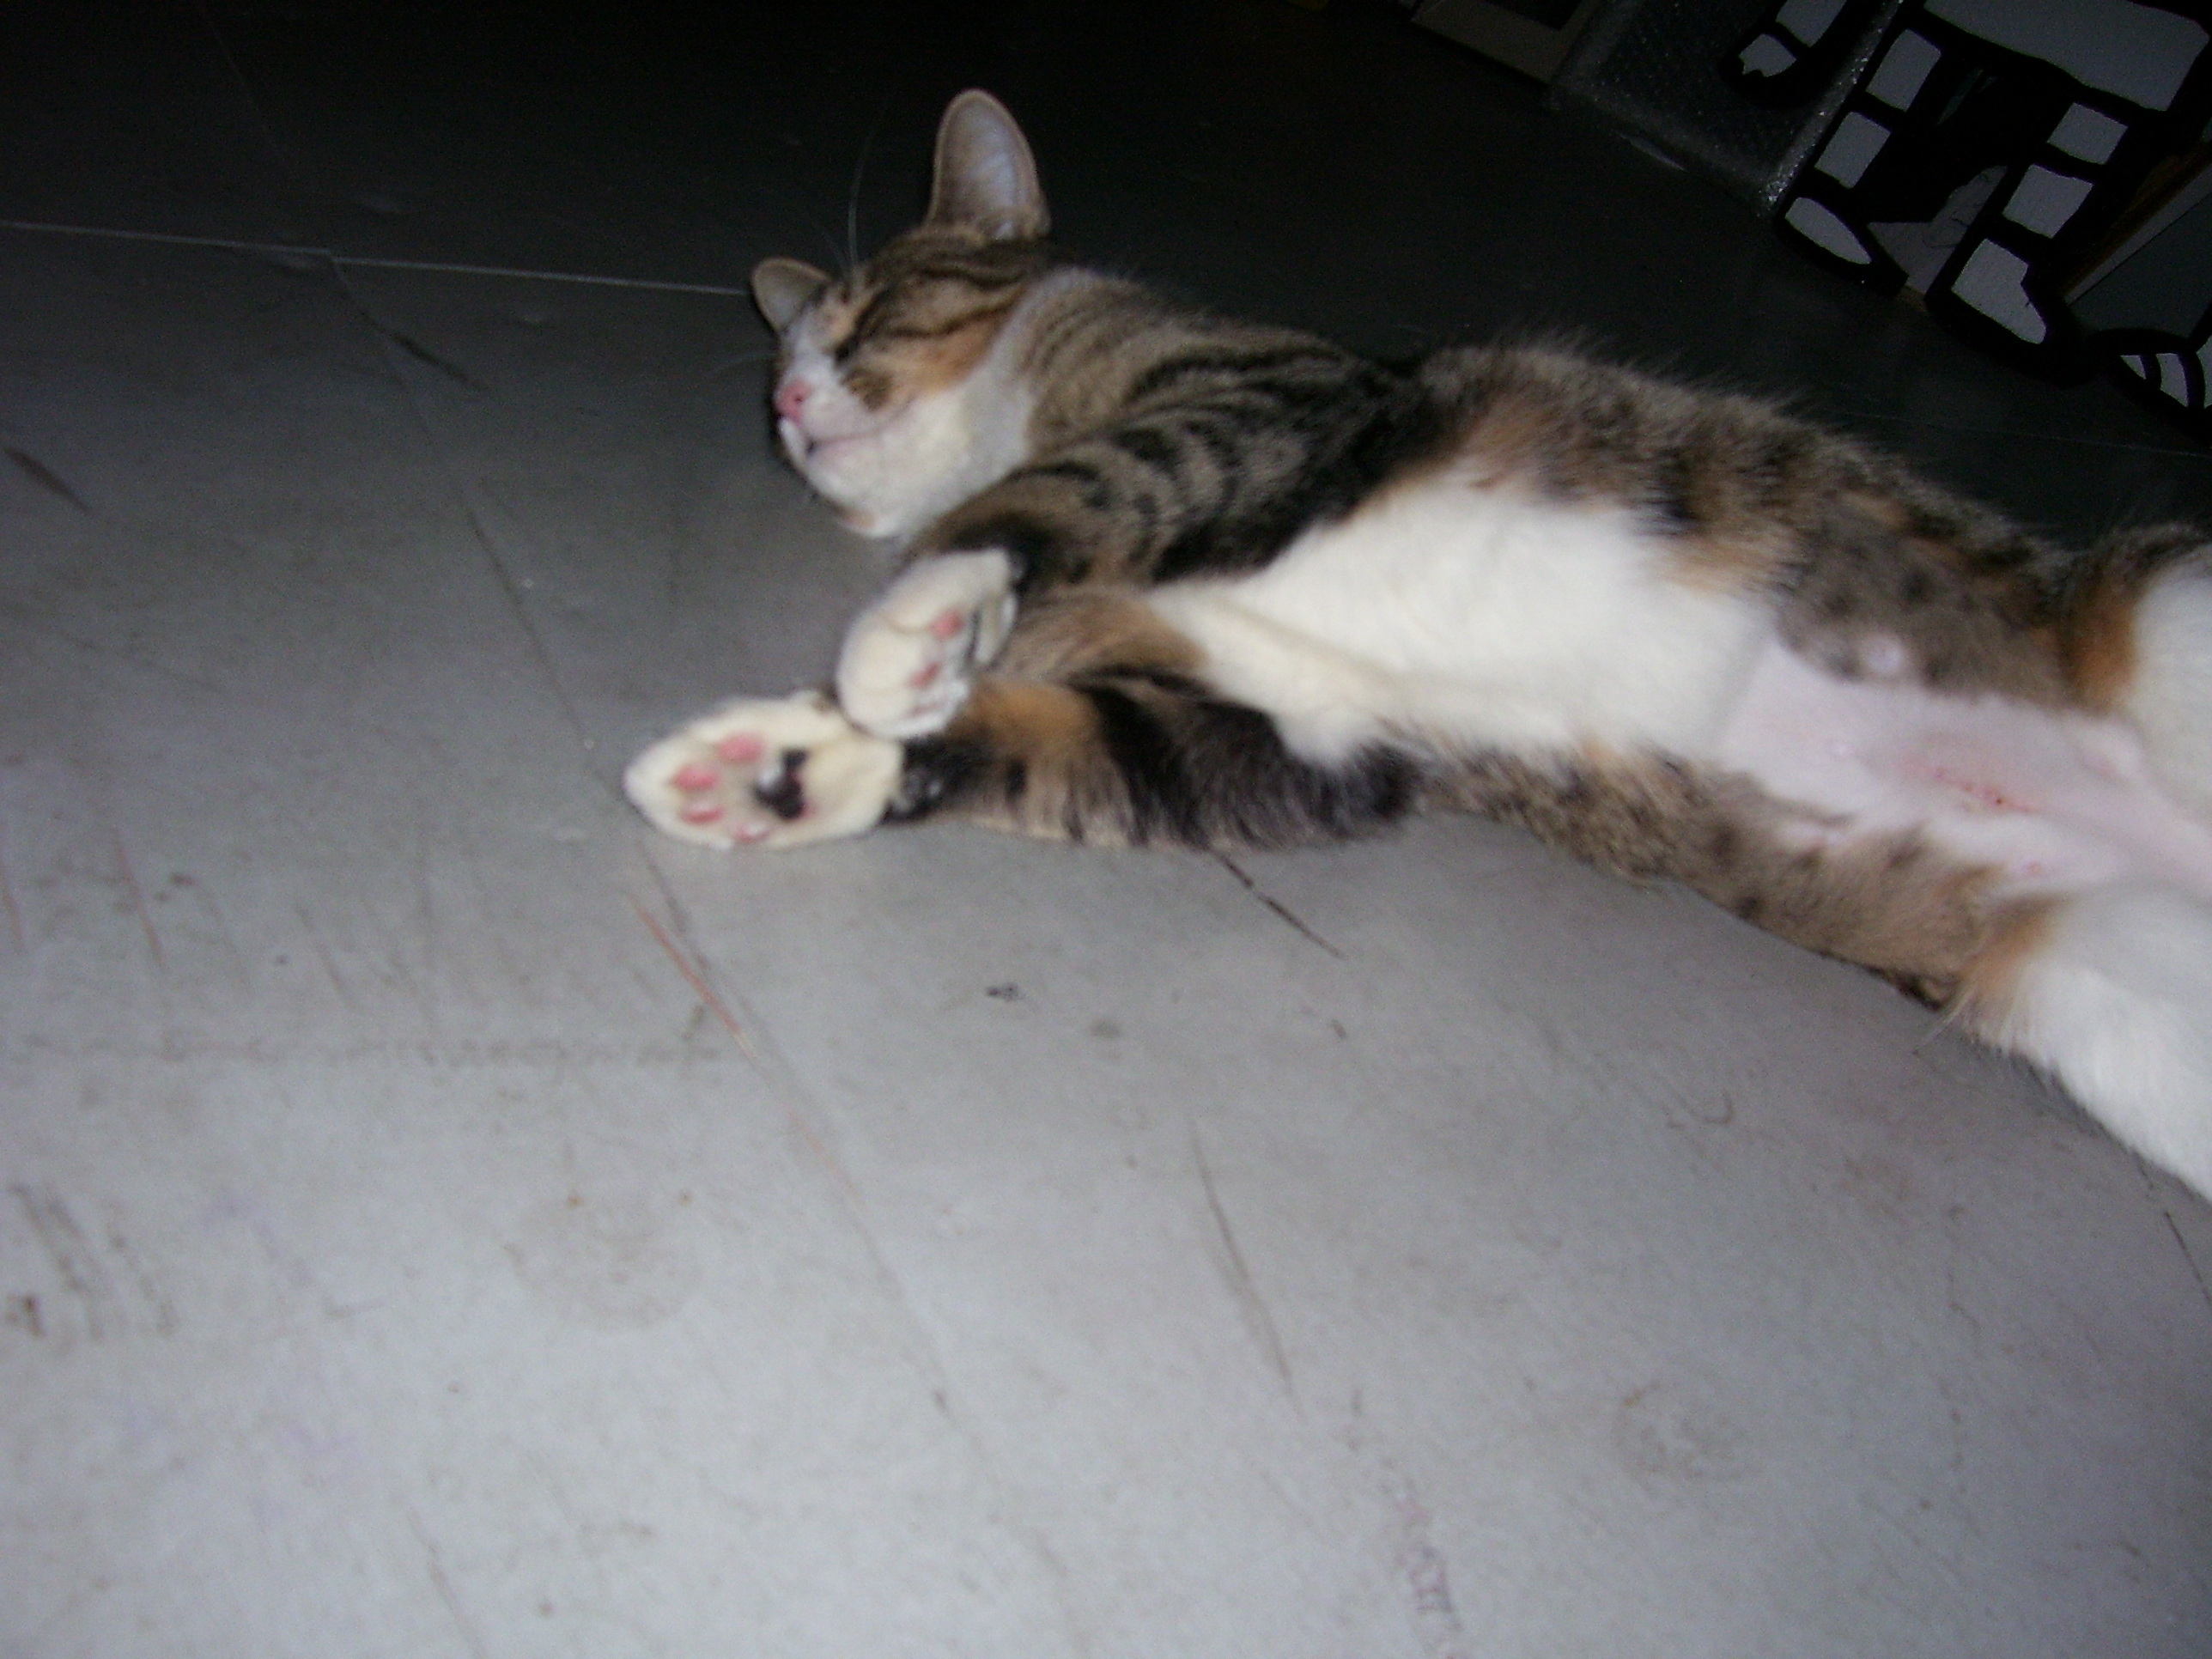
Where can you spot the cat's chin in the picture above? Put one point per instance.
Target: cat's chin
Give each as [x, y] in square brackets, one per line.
[814, 455]
[857, 507]
[838, 466]
[860, 474]
[867, 521]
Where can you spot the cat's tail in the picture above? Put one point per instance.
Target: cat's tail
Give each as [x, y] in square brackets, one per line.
[2111, 992]
[2139, 643]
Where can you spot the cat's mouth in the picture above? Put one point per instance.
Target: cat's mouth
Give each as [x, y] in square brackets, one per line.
[816, 448]
[829, 448]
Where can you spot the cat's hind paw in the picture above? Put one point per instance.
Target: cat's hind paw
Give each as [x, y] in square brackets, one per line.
[771, 773]
[910, 660]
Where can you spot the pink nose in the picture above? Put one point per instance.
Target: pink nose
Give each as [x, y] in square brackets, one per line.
[790, 398]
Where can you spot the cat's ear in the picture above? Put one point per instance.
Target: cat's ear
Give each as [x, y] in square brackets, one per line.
[987, 178]
[782, 288]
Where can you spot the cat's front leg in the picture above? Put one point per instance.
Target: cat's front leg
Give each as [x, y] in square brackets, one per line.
[910, 660]
[775, 773]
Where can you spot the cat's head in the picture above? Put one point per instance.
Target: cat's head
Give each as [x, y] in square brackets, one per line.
[880, 399]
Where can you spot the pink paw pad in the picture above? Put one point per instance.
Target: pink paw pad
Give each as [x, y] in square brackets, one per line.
[695, 777]
[948, 624]
[699, 812]
[741, 747]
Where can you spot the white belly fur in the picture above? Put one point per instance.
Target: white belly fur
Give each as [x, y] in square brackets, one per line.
[2055, 802]
[1451, 618]
[1454, 618]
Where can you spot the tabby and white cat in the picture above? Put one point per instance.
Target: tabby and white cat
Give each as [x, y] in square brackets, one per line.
[1171, 578]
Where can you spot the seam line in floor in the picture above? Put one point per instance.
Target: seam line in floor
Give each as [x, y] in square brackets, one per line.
[373, 263]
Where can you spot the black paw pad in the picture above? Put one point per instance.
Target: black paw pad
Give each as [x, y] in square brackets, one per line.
[784, 795]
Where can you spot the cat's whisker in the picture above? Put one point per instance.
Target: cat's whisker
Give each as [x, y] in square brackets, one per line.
[852, 195]
[743, 360]
[828, 241]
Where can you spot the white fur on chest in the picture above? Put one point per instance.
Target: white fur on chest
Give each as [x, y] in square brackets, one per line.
[1452, 618]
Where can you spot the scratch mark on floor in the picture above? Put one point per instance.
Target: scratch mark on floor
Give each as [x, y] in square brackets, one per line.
[473, 867]
[422, 353]
[425, 930]
[138, 900]
[1241, 1285]
[1435, 1618]
[697, 980]
[231, 1205]
[1952, 1216]
[99, 1585]
[22, 617]
[461, 1054]
[467, 494]
[7, 904]
[200, 895]
[43, 476]
[1958, 1460]
[445, 1586]
[2189, 1256]
[1275, 905]
[79, 1269]
[165, 1312]
[323, 956]
[790, 1091]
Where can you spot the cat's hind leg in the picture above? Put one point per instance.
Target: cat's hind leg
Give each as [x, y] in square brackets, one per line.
[771, 773]
[909, 659]
[1097, 727]
[1126, 756]
[2111, 992]
[1098, 724]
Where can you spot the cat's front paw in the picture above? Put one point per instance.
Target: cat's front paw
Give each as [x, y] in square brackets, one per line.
[910, 660]
[775, 773]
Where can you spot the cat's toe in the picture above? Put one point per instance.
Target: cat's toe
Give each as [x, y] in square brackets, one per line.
[772, 773]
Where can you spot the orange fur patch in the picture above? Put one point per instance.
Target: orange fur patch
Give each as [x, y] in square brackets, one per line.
[1728, 563]
[1507, 440]
[2099, 644]
[948, 358]
[1048, 731]
[1986, 984]
[1070, 633]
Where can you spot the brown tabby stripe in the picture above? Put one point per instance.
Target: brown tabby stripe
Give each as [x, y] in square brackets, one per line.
[1893, 904]
[1230, 443]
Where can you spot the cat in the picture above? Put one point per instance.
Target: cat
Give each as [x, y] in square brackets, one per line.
[1175, 578]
